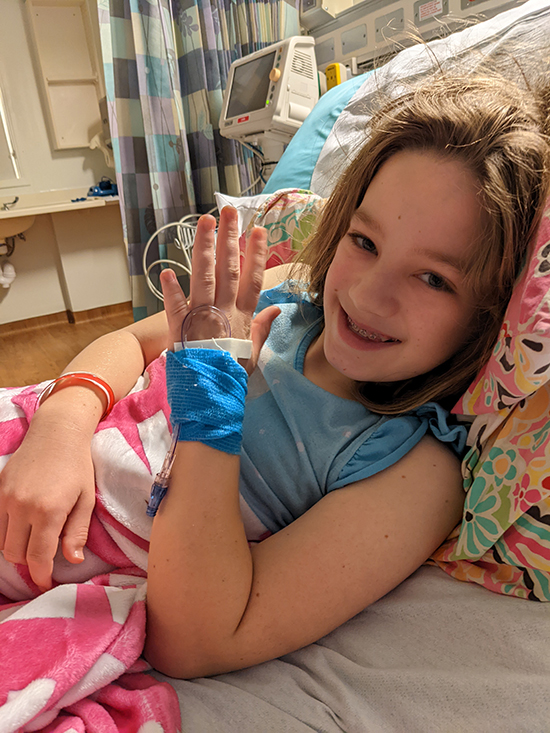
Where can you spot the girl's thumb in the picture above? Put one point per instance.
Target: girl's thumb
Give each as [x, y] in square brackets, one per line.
[260, 328]
[75, 532]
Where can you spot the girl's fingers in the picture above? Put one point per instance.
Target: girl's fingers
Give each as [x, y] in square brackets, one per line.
[41, 551]
[253, 270]
[203, 279]
[17, 539]
[35, 545]
[216, 278]
[175, 305]
[75, 531]
[3, 530]
[227, 259]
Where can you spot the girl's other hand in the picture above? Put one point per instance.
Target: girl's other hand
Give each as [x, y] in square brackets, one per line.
[47, 493]
[217, 280]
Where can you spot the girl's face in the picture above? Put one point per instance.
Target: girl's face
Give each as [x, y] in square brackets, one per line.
[396, 304]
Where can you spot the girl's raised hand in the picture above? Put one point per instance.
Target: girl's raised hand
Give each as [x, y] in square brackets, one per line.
[217, 280]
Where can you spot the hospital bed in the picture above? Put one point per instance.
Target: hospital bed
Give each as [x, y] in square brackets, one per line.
[435, 654]
[462, 646]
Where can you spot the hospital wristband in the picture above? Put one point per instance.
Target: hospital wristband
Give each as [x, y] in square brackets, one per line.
[83, 379]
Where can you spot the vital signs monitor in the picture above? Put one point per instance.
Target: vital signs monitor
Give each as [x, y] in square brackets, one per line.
[270, 93]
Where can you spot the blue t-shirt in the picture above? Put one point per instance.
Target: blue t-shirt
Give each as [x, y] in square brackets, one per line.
[299, 441]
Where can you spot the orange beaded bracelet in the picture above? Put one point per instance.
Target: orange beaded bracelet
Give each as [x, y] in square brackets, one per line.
[71, 379]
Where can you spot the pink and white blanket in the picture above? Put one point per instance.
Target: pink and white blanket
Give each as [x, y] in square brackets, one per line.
[70, 658]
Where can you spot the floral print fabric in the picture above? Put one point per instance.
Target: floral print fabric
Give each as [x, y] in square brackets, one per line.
[503, 541]
[289, 216]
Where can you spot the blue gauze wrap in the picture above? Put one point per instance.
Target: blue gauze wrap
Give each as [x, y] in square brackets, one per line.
[206, 392]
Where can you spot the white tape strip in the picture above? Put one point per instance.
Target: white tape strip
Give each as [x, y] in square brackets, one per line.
[238, 348]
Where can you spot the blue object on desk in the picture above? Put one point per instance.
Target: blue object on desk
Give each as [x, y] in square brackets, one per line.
[80, 199]
[105, 187]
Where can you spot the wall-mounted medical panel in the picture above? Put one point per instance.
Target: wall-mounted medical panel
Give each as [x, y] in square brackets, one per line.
[389, 24]
[469, 3]
[366, 33]
[324, 52]
[426, 10]
[355, 39]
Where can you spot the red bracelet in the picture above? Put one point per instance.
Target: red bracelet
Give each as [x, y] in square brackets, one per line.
[83, 378]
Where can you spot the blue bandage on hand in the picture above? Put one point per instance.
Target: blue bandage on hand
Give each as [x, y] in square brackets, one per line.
[206, 393]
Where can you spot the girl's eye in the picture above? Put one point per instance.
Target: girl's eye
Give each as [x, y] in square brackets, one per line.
[363, 242]
[436, 282]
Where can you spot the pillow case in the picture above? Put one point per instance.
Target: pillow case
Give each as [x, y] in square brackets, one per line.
[289, 216]
[503, 542]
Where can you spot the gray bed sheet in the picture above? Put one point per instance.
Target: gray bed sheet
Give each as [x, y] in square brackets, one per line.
[434, 655]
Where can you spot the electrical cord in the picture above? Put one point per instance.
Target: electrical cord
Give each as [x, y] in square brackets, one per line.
[260, 178]
[257, 152]
[186, 232]
[183, 241]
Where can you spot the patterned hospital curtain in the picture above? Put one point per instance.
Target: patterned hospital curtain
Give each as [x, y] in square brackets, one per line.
[166, 64]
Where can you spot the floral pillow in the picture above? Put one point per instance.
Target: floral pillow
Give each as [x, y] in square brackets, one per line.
[289, 216]
[503, 542]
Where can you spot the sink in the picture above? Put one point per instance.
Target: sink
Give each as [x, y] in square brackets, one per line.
[10, 227]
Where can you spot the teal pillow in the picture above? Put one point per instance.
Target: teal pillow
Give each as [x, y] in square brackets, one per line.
[295, 168]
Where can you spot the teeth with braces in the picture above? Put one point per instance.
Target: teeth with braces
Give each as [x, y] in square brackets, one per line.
[368, 335]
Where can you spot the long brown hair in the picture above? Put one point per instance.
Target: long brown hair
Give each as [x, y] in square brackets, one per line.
[498, 132]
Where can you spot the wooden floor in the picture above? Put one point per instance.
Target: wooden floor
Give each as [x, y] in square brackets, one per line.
[39, 349]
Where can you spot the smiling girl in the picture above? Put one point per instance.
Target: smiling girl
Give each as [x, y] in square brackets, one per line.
[396, 301]
[349, 467]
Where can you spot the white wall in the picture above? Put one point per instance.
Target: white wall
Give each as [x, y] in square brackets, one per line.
[43, 169]
[71, 260]
[87, 245]
[36, 290]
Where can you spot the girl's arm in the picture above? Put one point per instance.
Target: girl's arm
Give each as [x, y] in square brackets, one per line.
[47, 489]
[213, 603]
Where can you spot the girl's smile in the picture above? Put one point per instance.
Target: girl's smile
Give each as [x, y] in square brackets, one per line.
[364, 333]
[396, 303]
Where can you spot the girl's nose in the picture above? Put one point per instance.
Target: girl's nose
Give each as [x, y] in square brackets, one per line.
[376, 291]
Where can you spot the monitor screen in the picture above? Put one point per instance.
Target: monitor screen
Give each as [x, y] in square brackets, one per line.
[250, 86]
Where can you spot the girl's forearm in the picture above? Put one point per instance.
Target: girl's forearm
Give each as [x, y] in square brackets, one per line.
[200, 570]
[118, 359]
[200, 567]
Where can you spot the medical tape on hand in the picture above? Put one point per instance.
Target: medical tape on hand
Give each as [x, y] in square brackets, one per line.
[238, 348]
[206, 393]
